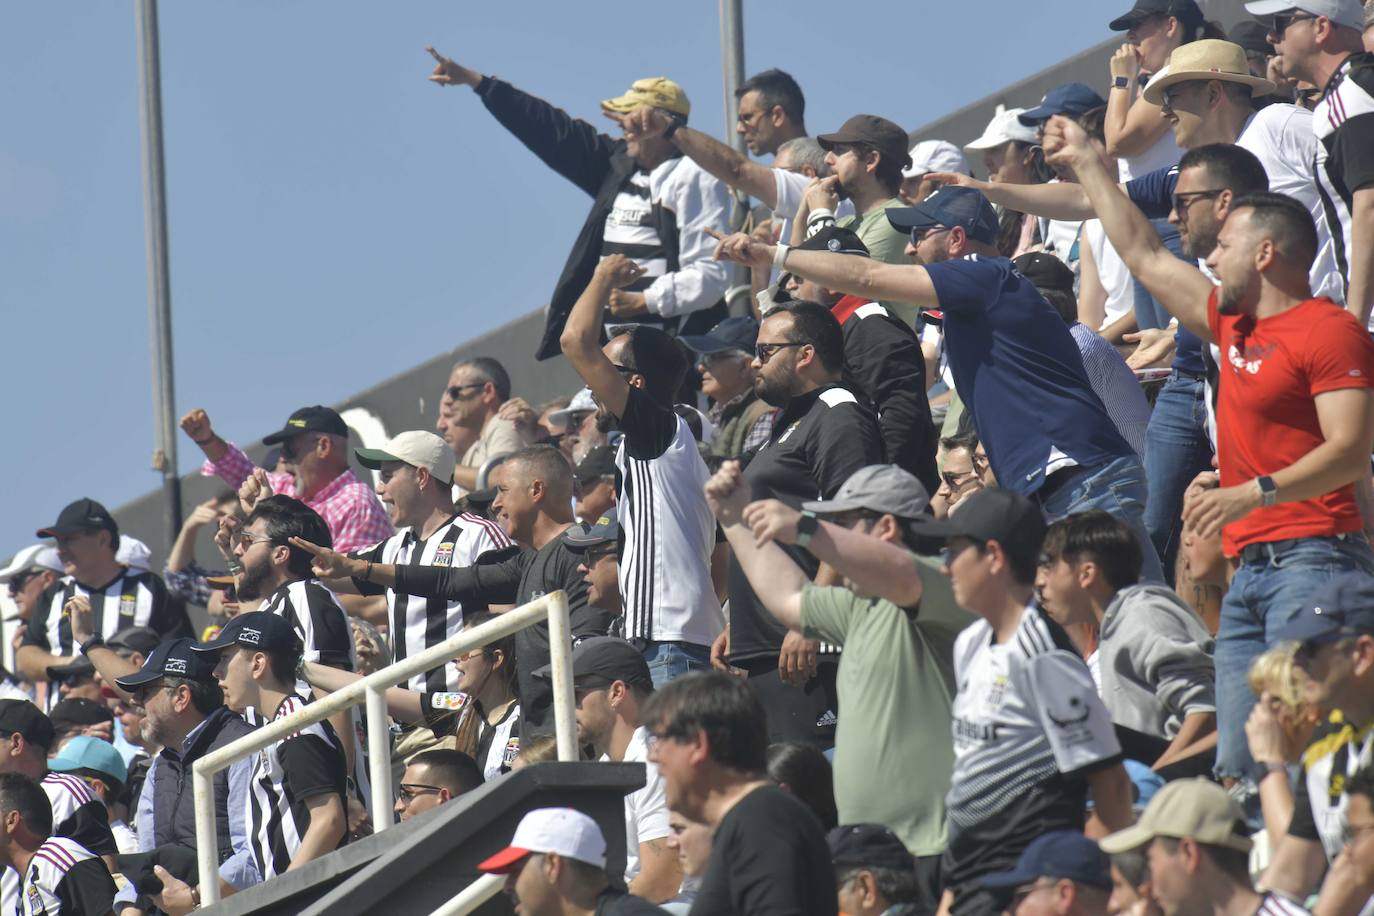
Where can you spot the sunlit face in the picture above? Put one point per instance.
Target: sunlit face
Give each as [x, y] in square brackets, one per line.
[1332, 669]
[1233, 262]
[27, 587]
[1124, 894]
[418, 793]
[600, 569]
[851, 165]
[1296, 43]
[1007, 164]
[811, 291]
[775, 378]
[593, 497]
[399, 491]
[85, 688]
[254, 552]
[465, 399]
[1203, 558]
[967, 566]
[1198, 211]
[234, 672]
[1170, 883]
[916, 188]
[1060, 591]
[83, 550]
[1186, 107]
[1154, 40]
[673, 757]
[692, 842]
[758, 124]
[595, 716]
[726, 375]
[515, 507]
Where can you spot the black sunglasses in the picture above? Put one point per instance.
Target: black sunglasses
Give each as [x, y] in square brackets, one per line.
[763, 352]
[1284, 20]
[455, 392]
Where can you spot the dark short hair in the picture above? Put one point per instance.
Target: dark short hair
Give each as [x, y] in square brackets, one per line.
[494, 373]
[1094, 122]
[1362, 783]
[284, 518]
[719, 706]
[959, 440]
[803, 769]
[1102, 538]
[895, 884]
[1062, 301]
[1231, 167]
[20, 793]
[1284, 220]
[206, 696]
[1132, 865]
[776, 87]
[658, 357]
[815, 324]
[453, 770]
[548, 464]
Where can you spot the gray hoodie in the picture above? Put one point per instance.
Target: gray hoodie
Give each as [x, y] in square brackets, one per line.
[1156, 661]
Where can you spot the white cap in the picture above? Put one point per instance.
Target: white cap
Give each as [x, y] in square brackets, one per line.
[39, 556]
[416, 447]
[1004, 127]
[582, 402]
[1342, 12]
[935, 156]
[133, 553]
[563, 831]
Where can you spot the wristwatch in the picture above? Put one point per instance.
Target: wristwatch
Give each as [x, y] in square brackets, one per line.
[1121, 82]
[95, 642]
[1269, 493]
[780, 256]
[675, 121]
[806, 527]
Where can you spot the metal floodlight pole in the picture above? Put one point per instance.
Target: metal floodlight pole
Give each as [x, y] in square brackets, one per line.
[732, 68]
[159, 284]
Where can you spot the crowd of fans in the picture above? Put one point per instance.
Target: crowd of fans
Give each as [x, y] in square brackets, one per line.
[1010, 554]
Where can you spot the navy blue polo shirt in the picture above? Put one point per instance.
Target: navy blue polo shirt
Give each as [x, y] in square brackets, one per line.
[1019, 372]
[1153, 193]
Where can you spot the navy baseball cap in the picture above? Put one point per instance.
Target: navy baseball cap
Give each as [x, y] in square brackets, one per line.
[1070, 99]
[261, 630]
[173, 658]
[1344, 607]
[316, 419]
[737, 333]
[605, 531]
[949, 206]
[1058, 854]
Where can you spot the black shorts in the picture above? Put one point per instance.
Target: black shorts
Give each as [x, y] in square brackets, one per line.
[806, 714]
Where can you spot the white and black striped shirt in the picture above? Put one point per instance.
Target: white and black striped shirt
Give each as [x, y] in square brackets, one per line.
[1343, 122]
[1274, 905]
[65, 878]
[285, 775]
[319, 620]
[418, 623]
[497, 745]
[665, 564]
[78, 816]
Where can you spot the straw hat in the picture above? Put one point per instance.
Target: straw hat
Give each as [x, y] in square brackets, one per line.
[1207, 59]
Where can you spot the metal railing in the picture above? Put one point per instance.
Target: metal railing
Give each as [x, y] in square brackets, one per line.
[372, 691]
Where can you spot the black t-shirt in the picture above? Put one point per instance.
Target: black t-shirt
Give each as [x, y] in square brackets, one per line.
[820, 439]
[770, 858]
[86, 888]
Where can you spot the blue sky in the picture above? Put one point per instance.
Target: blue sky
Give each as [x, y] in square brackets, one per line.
[334, 217]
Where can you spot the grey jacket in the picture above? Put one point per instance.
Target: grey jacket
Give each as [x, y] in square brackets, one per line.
[1155, 658]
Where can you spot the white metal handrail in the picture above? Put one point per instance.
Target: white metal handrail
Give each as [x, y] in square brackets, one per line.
[372, 691]
[472, 896]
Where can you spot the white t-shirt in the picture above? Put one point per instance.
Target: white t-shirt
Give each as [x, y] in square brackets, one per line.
[646, 808]
[1112, 273]
[790, 187]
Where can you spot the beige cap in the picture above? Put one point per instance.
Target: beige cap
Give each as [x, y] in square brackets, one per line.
[1196, 808]
[416, 447]
[1207, 59]
[656, 92]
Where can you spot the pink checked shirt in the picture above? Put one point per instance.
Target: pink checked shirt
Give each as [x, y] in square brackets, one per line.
[348, 506]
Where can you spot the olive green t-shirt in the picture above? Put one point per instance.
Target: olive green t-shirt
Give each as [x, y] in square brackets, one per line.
[884, 244]
[894, 749]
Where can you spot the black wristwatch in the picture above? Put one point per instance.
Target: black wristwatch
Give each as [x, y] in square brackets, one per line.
[1269, 492]
[95, 642]
[675, 121]
[806, 528]
[1121, 82]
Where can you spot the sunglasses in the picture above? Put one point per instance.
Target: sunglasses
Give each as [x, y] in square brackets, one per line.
[1284, 20]
[22, 579]
[455, 392]
[764, 352]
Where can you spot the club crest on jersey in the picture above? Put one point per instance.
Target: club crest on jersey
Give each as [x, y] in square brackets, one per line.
[510, 753]
[444, 555]
[447, 700]
[791, 429]
[36, 901]
[127, 605]
[998, 693]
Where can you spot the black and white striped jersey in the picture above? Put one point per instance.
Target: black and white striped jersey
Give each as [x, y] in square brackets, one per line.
[665, 561]
[65, 878]
[497, 744]
[78, 816]
[319, 620]
[285, 775]
[417, 623]
[1343, 122]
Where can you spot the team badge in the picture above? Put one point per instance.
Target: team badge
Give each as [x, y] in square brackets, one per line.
[36, 901]
[511, 752]
[447, 700]
[444, 555]
[791, 429]
[127, 605]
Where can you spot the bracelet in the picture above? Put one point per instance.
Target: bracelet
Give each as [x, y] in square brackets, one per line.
[195, 896]
[780, 256]
[206, 441]
[95, 642]
[367, 573]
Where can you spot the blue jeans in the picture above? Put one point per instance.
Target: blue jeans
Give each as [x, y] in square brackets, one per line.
[671, 660]
[1148, 311]
[1117, 488]
[1176, 450]
[1266, 594]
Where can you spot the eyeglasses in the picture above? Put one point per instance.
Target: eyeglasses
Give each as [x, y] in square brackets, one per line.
[593, 557]
[247, 539]
[858, 149]
[708, 360]
[750, 118]
[1284, 20]
[1169, 96]
[455, 392]
[763, 352]
[1185, 199]
[626, 370]
[948, 555]
[22, 579]
[464, 656]
[956, 480]
[411, 790]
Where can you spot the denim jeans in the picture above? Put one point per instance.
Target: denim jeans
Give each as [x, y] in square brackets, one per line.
[1176, 450]
[1117, 488]
[670, 660]
[1264, 595]
[1149, 313]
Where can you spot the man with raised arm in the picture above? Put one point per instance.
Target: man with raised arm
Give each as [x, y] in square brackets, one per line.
[1295, 413]
[1014, 361]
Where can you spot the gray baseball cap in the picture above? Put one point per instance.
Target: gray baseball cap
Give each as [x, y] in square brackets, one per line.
[883, 488]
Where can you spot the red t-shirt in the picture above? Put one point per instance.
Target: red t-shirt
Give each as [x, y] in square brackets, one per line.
[1272, 369]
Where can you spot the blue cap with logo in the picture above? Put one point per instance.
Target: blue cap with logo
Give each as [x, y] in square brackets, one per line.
[949, 207]
[1058, 854]
[173, 658]
[1070, 99]
[736, 333]
[261, 630]
[1344, 607]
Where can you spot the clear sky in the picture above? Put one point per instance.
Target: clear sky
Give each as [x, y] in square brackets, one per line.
[335, 218]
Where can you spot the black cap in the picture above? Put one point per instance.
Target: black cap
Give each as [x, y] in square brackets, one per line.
[602, 660]
[78, 712]
[1252, 36]
[1045, 271]
[837, 239]
[83, 515]
[77, 668]
[739, 332]
[135, 639]
[996, 514]
[605, 531]
[261, 630]
[871, 130]
[1185, 11]
[598, 462]
[316, 419]
[173, 658]
[20, 717]
[868, 846]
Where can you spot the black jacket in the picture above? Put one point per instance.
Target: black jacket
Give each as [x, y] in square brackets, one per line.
[599, 165]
